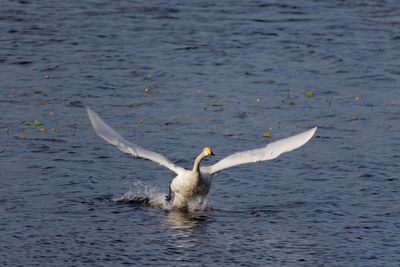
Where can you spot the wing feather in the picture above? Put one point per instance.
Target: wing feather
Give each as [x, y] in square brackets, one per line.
[114, 138]
[271, 151]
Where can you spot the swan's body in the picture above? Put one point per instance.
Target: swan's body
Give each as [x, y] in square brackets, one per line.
[196, 183]
[188, 185]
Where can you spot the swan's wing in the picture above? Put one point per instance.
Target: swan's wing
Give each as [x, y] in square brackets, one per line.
[271, 151]
[114, 138]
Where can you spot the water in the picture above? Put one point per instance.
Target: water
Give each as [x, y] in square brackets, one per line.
[175, 77]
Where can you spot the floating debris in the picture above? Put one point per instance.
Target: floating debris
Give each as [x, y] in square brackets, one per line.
[76, 103]
[37, 92]
[357, 98]
[258, 99]
[171, 123]
[26, 123]
[141, 121]
[266, 134]
[310, 94]
[37, 123]
[149, 77]
[291, 103]
[46, 76]
[7, 130]
[137, 105]
[146, 89]
[42, 130]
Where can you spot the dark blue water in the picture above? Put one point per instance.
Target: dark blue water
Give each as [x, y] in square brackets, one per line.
[174, 77]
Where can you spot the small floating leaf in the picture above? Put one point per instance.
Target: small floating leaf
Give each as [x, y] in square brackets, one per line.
[266, 134]
[146, 89]
[291, 103]
[37, 123]
[310, 94]
[37, 92]
[149, 77]
[141, 121]
[26, 123]
[42, 130]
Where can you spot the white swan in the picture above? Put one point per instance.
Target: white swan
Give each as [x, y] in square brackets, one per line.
[195, 183]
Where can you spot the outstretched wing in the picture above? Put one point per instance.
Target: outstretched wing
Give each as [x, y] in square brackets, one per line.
[271, 151]
[114, 138]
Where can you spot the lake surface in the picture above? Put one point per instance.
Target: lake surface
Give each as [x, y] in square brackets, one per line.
[174, 77]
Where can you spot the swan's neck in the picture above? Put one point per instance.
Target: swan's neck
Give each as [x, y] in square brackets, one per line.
[197, 161]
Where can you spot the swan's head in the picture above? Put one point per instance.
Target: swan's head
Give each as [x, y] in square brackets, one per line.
[208, 152]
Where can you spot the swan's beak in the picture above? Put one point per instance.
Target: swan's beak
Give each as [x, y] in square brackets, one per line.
[209, 151]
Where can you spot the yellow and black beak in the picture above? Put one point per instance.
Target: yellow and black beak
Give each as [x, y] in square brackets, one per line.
[209, 151]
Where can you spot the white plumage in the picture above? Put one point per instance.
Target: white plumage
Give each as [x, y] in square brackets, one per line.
[196, 183]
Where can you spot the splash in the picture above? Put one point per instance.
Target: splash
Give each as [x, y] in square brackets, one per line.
[147, 195]
[153, 197]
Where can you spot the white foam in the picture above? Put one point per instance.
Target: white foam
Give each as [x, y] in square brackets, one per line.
[153, 197]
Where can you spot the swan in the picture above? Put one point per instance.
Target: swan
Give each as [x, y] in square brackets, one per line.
[196, 183]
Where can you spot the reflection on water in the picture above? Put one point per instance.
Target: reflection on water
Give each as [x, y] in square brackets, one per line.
[183, 228]
[180, 219]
